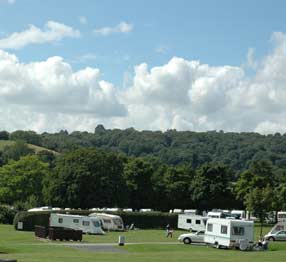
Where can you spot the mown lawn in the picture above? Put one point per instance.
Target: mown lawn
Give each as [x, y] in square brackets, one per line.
[25, 247]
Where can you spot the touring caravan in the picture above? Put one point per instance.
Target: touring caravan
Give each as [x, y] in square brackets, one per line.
[109, 222]
[281, 216]
[192, 222]
[238, 214]
[89, 225]
[229, 233]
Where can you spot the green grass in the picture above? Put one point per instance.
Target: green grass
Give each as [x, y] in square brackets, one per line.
[37, 149]
[26, 248]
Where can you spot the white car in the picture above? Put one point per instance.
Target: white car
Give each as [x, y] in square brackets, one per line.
[280, 235]
[189, 238]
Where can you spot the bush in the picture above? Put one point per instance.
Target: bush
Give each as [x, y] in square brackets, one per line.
[6, 214]
[148, 220]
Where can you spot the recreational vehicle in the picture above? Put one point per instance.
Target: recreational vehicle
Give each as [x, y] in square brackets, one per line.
[238, 214]
[192, 222]
[109, 222]
[89, 225]
[281, 216]
[229, 233]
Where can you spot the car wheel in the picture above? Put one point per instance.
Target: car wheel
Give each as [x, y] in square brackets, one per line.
[217, 245]
[187, 240]
[271, 239]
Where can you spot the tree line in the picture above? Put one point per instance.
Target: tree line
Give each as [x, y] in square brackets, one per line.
[95, 177]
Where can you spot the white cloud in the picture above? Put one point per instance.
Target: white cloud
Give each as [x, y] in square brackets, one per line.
[122, 27]
[52, 32]
[181, 94]
[52, 90]
[162, 49]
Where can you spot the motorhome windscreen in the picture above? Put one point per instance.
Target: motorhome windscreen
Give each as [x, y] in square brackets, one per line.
[96, 223]
[238, 231]
[117, 221]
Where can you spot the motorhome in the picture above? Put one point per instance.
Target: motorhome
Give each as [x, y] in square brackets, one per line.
[238, 214]
[281, 216]
[229, 233]
[191, 211]
[192, 222]
[38, 209]
[215, 214]
[109, 222]
[89, 225]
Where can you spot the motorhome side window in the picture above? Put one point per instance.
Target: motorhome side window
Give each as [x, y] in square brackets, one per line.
[238, 231]
[189, 221]
[60, 220]
[85, 223]
[76, 221]
[198, 222]
[223, 229]
[210, 227]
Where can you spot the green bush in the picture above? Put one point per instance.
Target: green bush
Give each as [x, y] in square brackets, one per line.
[6, 214]
[148, 220]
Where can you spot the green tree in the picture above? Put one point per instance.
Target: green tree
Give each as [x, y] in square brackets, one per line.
[87, 178]
[16, 151]
[21, 180]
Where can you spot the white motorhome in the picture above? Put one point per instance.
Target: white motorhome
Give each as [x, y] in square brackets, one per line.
[215, 214]
[109, 222]
[38, 209]
[192, 222]
[89, 225]
[238, 214]
[281, 216]
[229, 233]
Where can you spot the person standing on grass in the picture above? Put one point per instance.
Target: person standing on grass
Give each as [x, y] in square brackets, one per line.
[168, 230]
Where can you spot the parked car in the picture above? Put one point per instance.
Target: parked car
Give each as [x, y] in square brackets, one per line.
[279, 235]
[189, 238]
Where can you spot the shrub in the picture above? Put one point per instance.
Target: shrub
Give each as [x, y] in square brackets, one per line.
[6, 214]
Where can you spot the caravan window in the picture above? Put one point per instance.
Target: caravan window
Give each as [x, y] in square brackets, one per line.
[189, 221]
[281, 215]
[76, 221]
[238, 231]
[198, 222]
[210, 227]
[96, 223]
[223, 229]
[60, 220]
[85, 223]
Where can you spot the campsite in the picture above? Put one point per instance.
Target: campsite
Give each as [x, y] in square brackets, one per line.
[140, 245]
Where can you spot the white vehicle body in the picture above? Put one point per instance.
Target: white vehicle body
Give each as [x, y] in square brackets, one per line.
[189, 238]
[229, 233]
[240, 214]
[109, 222]
[276, 236]
[90, 225]
[215, 214]
[145, 210]
[192, 222]
[281, 216]
[277, 227]
[37, 209]
[191, 211]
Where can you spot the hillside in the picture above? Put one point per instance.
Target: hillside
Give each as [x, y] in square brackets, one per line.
[37, 149]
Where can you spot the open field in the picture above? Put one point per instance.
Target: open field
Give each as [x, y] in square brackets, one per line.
[37, 149]
[25, 247]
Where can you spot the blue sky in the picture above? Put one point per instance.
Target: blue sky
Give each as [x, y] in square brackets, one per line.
[214, 32]
[145, 51]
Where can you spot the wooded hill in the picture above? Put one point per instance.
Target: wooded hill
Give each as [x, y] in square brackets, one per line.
[237, 150]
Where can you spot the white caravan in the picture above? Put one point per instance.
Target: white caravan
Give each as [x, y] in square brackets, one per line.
[109, 222]
[229, 233]
[215, 214]
[89, 225]
[192, 222]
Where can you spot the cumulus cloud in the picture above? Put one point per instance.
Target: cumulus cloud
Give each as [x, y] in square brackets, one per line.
[52, 32]
[181, 94]
[122, 27]
[51, 87]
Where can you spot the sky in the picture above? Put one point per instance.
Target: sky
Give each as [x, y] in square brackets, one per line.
[152, 65]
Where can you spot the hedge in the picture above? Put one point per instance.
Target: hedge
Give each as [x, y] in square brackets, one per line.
[142, 220]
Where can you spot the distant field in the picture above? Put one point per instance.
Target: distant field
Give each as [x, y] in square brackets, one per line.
[4, 143]
[26, 248]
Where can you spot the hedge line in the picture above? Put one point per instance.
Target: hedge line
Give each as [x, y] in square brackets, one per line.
[148, 220]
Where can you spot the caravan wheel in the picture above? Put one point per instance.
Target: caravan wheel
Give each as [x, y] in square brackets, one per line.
[217, 245]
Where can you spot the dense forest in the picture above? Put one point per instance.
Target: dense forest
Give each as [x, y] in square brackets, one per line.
[128, 168]
[236, 150]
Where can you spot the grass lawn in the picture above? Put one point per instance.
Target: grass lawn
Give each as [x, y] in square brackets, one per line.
[23, 246]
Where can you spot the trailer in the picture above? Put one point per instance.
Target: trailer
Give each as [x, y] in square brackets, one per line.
[109, 222]
[88, 225]
[229, 233]
[192, 222]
